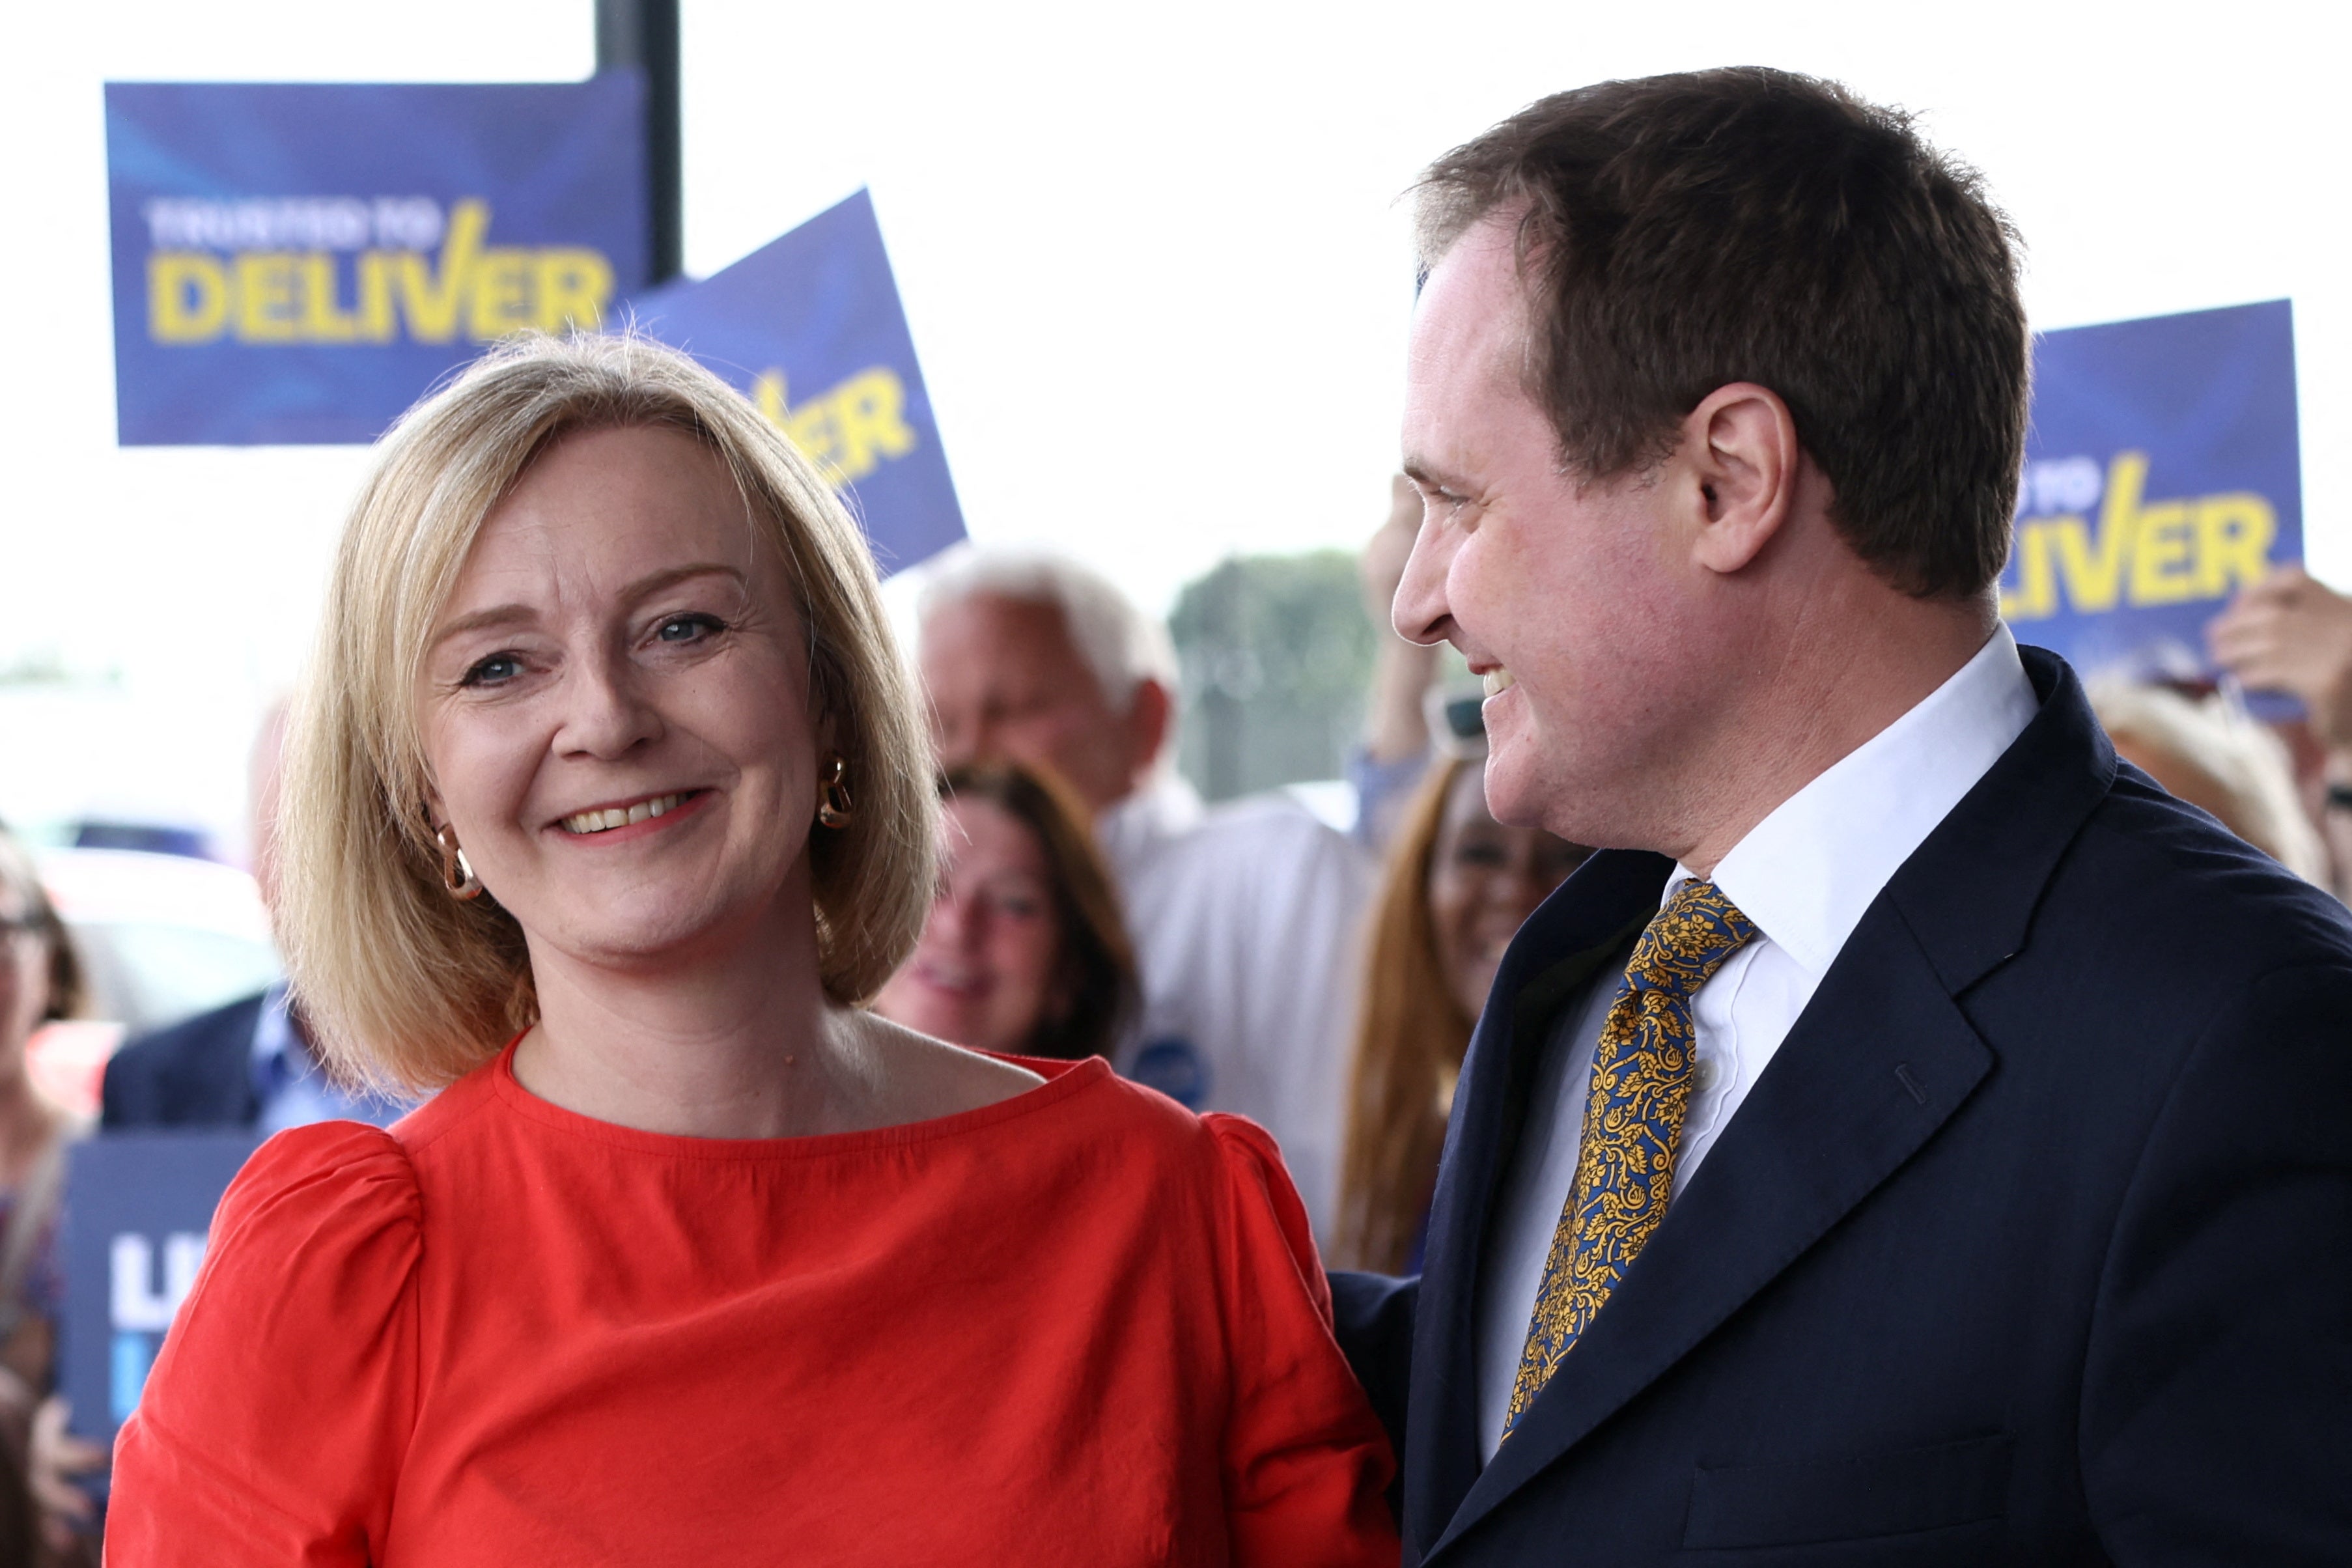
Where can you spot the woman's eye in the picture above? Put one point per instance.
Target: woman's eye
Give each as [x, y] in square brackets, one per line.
[494, 670]
[1476, 854]
[687, 629]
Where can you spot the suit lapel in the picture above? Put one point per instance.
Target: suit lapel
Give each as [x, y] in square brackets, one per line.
[1830, 1120]
[1578, 929]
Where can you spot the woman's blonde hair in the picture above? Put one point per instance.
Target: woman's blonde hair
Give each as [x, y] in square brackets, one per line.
[406, 985]
[1411, 1034]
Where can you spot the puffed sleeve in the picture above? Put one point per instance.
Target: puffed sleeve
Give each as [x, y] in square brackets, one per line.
[271, 1429]
[1306, 1461]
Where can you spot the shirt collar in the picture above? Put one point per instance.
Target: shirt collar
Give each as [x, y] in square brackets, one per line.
[273, 1033]
[1808, 872]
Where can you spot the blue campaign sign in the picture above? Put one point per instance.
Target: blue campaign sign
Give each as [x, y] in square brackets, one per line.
[810, 328]
[138, 1209]
[2162, 475]
[298, 263]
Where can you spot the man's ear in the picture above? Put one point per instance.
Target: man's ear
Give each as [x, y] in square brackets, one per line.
[1740, 442]
[1148, 715]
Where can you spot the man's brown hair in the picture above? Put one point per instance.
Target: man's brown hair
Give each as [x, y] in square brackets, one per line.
[1681, 233]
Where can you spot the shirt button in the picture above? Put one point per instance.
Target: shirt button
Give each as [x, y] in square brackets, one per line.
[1703, 1076]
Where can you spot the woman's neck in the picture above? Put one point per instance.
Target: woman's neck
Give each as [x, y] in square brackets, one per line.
[736, 1040]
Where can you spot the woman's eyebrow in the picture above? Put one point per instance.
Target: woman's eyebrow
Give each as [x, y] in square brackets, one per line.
[644, 587]
[653, 582]
[480, 620]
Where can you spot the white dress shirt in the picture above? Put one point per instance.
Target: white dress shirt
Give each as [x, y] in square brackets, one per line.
[1805, 876]
[1244, 919]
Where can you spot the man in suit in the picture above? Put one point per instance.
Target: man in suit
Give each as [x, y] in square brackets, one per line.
[248, 1065]
[1921, 1139]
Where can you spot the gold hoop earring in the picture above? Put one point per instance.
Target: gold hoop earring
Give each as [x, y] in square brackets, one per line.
[456, 874]
[833, 798]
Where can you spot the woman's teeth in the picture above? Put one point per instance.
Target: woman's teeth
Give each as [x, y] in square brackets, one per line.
[1499, 680]
[620, 816]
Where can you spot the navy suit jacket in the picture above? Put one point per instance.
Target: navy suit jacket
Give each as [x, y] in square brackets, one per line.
[2032, 1244]
[195, 1074]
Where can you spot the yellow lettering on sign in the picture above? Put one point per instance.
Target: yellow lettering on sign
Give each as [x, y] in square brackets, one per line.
[266, 309]
[573, 286]
[2163, 555]
[322, 320]
[187, 297]
[2093, 574]
[286, 297]
[869, 423]
[376, 324]
[429, 298]
[848, 431]
[2233, 536]
[2146, 552]
[501, 294]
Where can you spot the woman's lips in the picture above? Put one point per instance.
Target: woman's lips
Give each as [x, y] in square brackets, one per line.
[623, 824]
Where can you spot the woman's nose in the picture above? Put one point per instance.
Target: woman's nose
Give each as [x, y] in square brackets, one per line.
[608, 714]
[956, 923]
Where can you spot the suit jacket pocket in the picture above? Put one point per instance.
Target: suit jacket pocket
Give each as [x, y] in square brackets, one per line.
[1794, 1504]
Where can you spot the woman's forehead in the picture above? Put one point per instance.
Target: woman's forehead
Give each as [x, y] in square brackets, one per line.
[602, 513]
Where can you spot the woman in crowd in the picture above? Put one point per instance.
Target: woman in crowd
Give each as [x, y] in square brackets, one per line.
[607, 807]
[40, 980]
[1459, 885]
[1025, 951]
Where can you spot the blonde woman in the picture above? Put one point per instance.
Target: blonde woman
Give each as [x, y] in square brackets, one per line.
[608, 806]
[1459, 886]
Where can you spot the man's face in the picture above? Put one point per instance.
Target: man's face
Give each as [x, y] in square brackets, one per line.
[1007, 683]
[1578, 601]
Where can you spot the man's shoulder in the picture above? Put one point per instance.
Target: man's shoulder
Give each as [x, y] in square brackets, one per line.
[194, 1069]
[191, 1036]
[2166, 877]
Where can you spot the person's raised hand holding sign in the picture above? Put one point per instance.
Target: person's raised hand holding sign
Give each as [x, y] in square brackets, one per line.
[2292, 633]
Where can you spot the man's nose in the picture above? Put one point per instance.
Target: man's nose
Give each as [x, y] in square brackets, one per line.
[1420, 613]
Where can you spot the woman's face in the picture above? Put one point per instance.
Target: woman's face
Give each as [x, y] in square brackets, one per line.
[24, 977]
[983, 974]
[1485, 880]
[615, 706]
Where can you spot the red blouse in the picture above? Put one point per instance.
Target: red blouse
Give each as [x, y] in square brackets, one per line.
[1080, 1326]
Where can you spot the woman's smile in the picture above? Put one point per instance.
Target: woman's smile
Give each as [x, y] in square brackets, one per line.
[615, 824]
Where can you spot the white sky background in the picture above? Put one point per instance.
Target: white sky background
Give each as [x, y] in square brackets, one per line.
[1153, 258]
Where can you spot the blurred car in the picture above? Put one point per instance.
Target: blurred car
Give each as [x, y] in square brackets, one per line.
[162, 938]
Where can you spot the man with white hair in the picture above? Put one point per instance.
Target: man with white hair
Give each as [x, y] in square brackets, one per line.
[1244, 917]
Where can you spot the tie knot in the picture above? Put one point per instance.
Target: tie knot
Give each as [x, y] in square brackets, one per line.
[1688, 942]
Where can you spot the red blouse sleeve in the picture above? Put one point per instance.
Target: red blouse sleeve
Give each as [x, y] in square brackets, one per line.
[273, 1424]
[1306, 1461]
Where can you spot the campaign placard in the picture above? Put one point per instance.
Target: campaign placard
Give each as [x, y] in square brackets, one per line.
[2162, 475]
[138, 1211]
[298, 263]
[810, 328]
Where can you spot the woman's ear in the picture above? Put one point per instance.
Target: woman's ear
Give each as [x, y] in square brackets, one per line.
[1740, 442]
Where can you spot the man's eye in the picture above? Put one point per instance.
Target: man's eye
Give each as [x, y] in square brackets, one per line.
[497, 669]
[687, 629]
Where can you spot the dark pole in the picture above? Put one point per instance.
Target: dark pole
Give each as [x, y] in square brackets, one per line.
[644, 34]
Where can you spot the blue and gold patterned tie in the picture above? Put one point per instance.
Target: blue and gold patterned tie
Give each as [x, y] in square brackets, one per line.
[1633, 1125]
